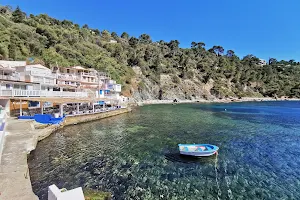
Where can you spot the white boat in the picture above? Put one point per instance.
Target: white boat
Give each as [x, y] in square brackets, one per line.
[198, 149]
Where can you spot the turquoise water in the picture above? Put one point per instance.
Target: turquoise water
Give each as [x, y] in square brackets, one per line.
[135, 155]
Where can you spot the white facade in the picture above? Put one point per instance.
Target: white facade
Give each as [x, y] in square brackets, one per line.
[12, 64]
[117, 88]
[262, 62]
[37, 74]
[3, 115]
[19, 79]
[113, 41]
[77, 76]
[56, 194]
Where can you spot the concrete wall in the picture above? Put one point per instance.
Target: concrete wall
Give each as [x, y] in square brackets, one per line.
[55, 194]
[47, 130]
[91, 117]
[5, 104]
[6, 63]
[3, 116]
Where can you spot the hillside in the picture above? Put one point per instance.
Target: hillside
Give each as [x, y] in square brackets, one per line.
[146, 69]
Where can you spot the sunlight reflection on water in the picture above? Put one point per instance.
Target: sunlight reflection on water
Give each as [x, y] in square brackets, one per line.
[135, 156]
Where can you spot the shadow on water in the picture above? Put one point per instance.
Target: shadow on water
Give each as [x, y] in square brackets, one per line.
[176, 157]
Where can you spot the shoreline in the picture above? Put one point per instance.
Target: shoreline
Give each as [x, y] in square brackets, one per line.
[20, 139]
[228, 100]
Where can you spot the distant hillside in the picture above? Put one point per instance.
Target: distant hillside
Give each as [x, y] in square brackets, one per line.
[147, 69]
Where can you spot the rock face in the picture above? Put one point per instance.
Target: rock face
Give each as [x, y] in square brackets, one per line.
[169, 87]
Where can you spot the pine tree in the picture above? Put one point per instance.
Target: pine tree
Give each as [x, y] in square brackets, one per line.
[12, 50]
[18, 16]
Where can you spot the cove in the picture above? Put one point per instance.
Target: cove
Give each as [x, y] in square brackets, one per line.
[135, 155]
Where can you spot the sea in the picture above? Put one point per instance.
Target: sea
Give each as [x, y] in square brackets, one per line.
[135, 155]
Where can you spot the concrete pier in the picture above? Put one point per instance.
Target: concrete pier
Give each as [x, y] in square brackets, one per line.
[14, 174]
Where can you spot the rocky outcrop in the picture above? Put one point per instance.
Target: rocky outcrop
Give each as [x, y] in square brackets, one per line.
[169, 87]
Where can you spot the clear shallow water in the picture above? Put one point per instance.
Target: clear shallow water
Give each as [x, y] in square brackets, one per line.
[135, 155]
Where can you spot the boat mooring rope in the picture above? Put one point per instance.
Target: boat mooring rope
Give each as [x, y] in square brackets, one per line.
[216, 171]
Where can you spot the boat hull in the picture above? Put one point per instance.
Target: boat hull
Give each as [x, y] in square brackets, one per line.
[197, 154]
[198, 150]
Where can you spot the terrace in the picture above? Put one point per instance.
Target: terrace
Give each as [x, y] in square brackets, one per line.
[40, 93]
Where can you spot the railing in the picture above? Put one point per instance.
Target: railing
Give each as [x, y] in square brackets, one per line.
[67, 84]
[6, 93]
[10, 77]
[88, 81]
[111, 96]
[38, 79]
[88, 74]
[44, 80]
[68, 77]
[48, 75]
[41, 93]
[26, 93]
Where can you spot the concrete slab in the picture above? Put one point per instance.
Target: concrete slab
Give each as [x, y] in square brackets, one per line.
[14, 174]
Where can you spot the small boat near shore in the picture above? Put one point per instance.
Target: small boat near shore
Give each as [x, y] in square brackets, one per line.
[198, 150]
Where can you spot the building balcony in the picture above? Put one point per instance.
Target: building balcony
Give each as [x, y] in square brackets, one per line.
[68, 77]
[37, 74]
[10, 77]
[89, 82]
[68, 83]
[41, 93]
[87, 74]
[43, 80]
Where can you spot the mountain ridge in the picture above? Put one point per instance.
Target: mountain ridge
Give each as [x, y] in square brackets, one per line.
[146, 69]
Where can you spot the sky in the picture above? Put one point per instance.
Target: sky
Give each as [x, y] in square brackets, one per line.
[264, 28]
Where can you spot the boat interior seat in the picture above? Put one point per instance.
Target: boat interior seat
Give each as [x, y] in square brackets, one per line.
[201, 148]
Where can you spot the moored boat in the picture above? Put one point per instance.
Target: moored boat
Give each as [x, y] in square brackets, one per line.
[198, 149]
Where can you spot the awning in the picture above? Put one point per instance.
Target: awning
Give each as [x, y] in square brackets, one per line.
[61, 100]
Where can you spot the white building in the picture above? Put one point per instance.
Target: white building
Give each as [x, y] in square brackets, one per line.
[36, 81]
[113, 41]
[37, 74]
[76, 76]
[262, 62]
[12, 64]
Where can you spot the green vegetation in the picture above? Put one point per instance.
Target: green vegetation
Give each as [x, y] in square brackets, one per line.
[55, 42]
[96, 195]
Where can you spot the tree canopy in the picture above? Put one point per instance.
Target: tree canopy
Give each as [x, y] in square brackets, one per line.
[66, 43]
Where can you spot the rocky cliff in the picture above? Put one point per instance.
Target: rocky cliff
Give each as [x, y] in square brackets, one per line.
[169, 88]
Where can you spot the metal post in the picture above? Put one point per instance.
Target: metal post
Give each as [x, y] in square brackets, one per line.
[21, 107]
[42, 107]
[61, 90]
[77, 108]
[93, 107]
[61, 110]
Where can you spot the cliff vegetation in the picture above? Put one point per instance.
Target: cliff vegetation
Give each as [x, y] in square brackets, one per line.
[147, 69]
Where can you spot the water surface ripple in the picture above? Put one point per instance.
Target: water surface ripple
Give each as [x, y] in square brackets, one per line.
[135, 156]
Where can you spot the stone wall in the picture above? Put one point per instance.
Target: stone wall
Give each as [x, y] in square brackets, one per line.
[46, 130]
[91, 117]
